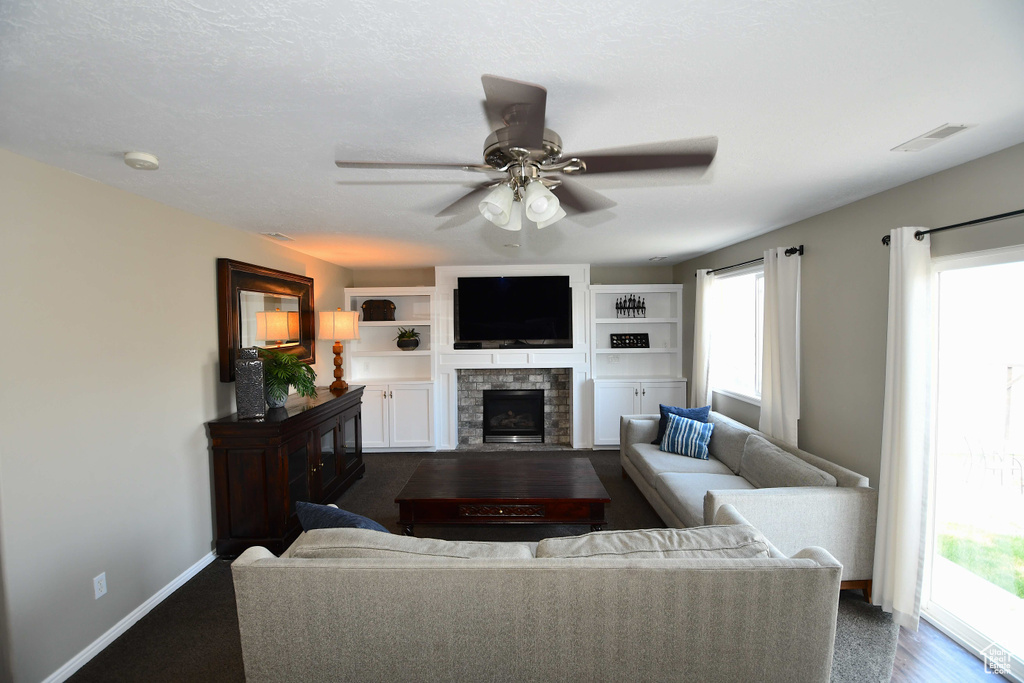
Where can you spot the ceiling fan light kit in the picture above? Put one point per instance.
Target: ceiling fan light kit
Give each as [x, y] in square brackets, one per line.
[541, 205]
[515, 221]
[521, 149]
[497, 205]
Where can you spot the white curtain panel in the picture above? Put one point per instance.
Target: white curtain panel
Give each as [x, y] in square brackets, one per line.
[700, 383]
[780, 357]
[906, 431]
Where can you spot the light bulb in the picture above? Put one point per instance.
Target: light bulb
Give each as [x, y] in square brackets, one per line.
[541, 205]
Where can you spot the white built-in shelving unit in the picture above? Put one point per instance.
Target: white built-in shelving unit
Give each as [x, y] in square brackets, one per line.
[635, 380]
[399, 398]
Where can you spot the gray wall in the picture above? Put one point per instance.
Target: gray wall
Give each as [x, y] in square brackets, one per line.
[845, 290]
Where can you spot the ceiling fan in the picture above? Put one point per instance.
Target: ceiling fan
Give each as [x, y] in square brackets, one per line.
[529, 161]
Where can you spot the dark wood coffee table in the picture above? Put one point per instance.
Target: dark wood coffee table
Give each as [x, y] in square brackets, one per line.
[512, 490]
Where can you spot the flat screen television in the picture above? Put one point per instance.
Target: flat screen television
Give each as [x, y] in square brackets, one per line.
[514, 311]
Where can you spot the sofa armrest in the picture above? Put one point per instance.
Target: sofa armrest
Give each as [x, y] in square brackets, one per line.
[839, 519]
[728, 514]
[637, 429]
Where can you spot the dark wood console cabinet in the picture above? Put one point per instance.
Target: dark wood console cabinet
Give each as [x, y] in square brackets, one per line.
[310, 450]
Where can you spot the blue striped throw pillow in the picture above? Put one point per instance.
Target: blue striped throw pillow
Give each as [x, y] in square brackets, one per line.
[687, 437]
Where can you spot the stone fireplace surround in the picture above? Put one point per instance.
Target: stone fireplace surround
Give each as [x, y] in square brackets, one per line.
[557, 386]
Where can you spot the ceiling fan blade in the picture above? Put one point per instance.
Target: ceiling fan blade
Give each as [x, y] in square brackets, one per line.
[482, 168]
[518, 107]
[463, 203]
[657, 156]
[581, 198]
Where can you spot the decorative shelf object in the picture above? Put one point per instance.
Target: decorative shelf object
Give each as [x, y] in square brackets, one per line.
[634, 340]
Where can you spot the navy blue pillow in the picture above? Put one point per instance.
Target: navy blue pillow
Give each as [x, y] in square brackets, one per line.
[313, 516]
[698, 414]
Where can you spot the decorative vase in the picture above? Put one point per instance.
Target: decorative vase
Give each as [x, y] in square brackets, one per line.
[408, 344]
[275, 402]
[249, 384]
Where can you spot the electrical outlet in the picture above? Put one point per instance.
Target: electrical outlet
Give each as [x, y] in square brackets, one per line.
[99, 585]
[613, 358]
[365, 367]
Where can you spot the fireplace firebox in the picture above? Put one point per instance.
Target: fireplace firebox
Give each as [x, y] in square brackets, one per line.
[513, 416]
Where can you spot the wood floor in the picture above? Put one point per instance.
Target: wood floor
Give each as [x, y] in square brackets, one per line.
[930, 655]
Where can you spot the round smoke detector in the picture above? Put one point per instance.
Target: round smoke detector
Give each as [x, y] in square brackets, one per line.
[142, 161]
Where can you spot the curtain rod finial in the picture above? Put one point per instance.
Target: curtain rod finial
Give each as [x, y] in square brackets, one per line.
[885, 240]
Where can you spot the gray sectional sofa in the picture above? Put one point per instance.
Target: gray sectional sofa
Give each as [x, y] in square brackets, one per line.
[714, 604]
[796, 499]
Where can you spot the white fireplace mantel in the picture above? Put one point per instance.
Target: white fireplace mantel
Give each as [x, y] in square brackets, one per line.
[450, 359]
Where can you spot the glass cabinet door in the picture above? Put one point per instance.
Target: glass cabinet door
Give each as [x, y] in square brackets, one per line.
[328, 455]
[352, 444]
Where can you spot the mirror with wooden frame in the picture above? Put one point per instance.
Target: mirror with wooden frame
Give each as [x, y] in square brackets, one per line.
[262, 307]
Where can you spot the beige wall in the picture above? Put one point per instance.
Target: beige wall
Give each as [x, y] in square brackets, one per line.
[109, 371]
[631, 275]
[393, 277]
[599, 275]
[845, 290]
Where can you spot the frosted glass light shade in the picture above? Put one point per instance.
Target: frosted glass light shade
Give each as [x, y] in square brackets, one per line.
[559, 215]
[339, 325]
[515, 220]
[541, 205]
[497, 205]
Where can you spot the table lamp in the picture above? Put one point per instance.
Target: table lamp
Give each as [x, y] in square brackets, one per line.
[277, 325]
[340, 326]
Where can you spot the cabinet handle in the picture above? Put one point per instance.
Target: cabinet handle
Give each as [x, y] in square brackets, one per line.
[636, 392]
[645, 391]
[391, 394]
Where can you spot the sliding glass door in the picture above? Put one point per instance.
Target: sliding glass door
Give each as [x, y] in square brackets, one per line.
[975, 584]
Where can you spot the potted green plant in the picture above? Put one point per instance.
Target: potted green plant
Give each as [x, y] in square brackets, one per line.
[282, 370]
[408, 339]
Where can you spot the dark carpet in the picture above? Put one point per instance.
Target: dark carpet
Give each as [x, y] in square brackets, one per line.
[193, 634]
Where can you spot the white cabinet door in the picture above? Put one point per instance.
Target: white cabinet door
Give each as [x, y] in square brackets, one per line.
[653, 394]
[412, 415]
[611, 401]
[375, 416]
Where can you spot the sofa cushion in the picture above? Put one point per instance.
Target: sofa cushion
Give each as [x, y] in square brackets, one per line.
[684, 493]
[651, 461]
[313, 516]
[727, 440]
[766, 466]
[729, 541]
[687, 437]
[354, 543]
[698, 414]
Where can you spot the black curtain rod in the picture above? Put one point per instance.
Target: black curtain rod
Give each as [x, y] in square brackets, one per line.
[789, 252]
[919, 234]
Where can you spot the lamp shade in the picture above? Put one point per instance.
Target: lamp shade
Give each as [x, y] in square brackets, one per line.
[339, 325]
[276, 325]
[541, 205]
[497, 205]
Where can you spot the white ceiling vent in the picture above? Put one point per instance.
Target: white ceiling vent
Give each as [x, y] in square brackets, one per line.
[932, 137]
[278, 236]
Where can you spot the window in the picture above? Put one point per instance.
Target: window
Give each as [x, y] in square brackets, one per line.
[736, 334]
[975, 585]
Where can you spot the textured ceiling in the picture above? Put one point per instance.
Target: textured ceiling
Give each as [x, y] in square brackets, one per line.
[249, 102]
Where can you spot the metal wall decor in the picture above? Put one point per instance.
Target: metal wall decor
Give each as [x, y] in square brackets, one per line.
[638, 340]
[630, 306]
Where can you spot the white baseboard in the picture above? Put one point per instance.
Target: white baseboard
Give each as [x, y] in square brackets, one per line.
[83, 657]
